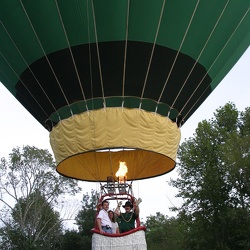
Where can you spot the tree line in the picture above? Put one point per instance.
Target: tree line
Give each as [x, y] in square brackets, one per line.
[213, 181]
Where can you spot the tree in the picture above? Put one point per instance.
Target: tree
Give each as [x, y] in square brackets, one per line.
[41, 228]
[163, 232]
[29, 191]
[72, 239]
[214, 182]
[85, 218]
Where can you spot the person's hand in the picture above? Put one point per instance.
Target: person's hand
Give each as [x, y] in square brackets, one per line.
[119, 203]
[138, 201]
[101, 231]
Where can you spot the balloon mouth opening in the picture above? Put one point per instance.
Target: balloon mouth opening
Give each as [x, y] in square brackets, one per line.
[96, 166]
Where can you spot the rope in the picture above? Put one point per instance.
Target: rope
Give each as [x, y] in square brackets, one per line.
[183, 39]
[210, 35]
[125, 51]
[98, 54]
[110, 163]
[29, 70]
[153, 48]
[236, 28]
[22, 83]
[40, 44]
[91, 79]
[90, 61]
[70, 50]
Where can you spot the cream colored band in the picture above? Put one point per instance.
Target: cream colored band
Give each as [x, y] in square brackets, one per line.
[75, 140]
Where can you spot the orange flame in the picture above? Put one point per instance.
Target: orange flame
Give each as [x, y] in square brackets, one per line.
[122, 171]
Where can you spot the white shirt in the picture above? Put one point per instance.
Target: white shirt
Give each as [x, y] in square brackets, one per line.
[103, 215]
[114, 226]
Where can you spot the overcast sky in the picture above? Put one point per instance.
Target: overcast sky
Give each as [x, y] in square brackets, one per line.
[18, 128]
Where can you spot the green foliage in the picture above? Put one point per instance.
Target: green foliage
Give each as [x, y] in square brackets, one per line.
[29, 191]
[163, 232]
[37, 226]
[37, 221]
[85, 218]
[214, 174]
[72, 240]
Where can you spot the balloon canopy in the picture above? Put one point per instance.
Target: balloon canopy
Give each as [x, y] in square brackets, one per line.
[114, 80]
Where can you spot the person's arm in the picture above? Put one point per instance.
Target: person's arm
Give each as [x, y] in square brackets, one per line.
[99, 224]
[136, 209]
[117, 228]
[117, 210]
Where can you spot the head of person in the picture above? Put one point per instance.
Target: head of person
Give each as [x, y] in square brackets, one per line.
[111, 215]
[105, 205]
[128, 206]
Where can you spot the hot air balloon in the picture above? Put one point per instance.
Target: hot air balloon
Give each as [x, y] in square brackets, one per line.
[115, 80]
